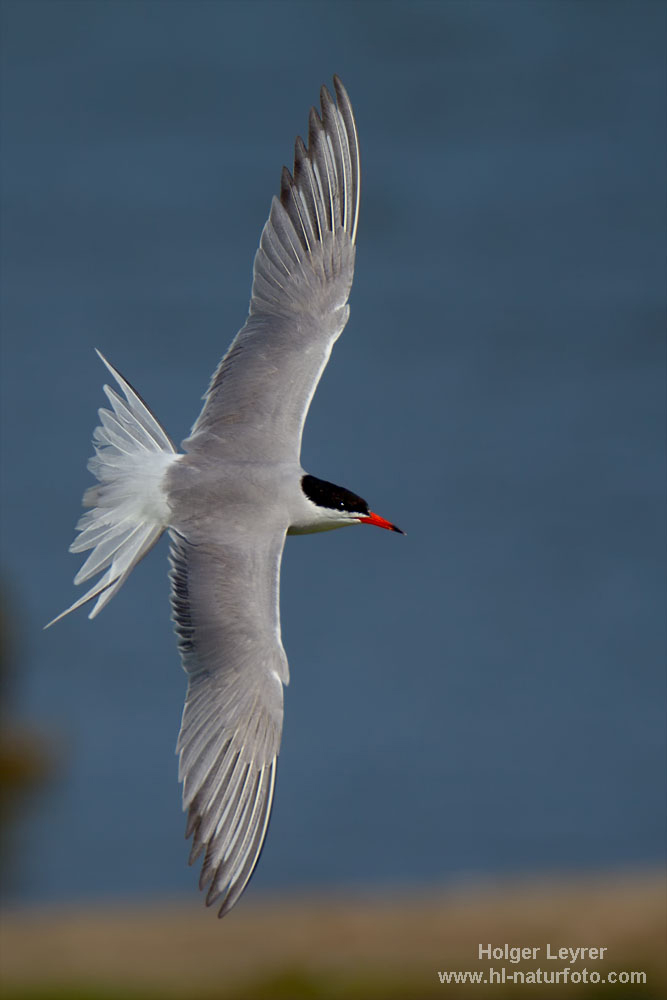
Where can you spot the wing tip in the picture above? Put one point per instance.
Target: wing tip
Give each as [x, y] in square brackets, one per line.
[224, 892]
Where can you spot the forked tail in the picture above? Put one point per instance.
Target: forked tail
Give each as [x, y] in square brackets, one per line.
[129, 509]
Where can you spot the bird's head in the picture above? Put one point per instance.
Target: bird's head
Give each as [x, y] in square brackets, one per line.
[335, 507]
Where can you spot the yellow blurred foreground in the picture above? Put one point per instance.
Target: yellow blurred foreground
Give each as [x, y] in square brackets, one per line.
[333, 947]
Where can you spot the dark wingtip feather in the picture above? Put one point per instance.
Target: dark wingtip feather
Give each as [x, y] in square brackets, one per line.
[325, 96]
[315, 126]
[300, 151]
[341, 92]
[285, 185]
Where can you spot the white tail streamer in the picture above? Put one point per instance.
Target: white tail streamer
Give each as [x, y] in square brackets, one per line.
[128, 509]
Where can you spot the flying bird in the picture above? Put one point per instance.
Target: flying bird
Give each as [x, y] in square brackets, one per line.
[230, 497]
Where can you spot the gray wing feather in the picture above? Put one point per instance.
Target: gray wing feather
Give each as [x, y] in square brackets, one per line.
[225, 608]
[260, 393]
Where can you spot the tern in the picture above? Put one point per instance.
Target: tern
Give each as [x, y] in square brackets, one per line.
[231, 496]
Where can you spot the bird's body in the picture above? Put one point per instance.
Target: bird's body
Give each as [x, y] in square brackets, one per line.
[231, 497]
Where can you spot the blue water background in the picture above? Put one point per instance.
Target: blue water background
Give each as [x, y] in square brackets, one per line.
[486, 695]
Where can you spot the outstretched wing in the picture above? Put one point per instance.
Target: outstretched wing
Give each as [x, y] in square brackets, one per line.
[225, 607]
[260, 393]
